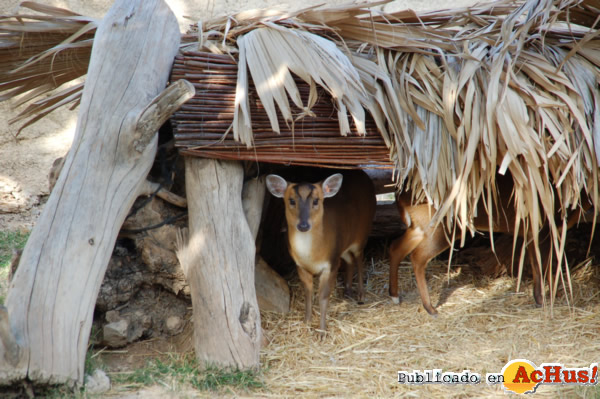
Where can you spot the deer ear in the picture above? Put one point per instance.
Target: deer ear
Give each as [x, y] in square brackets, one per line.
[332, 185]
[276, 185]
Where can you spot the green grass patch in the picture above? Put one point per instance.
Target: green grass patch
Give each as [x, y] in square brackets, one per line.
[10, 240]
[214, 378]
[183, 370]
[92, 362]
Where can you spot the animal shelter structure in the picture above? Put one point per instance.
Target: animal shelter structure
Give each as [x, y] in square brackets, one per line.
[447, 99]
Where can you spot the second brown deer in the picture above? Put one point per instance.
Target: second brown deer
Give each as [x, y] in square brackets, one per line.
[423, 242]
[327, 222]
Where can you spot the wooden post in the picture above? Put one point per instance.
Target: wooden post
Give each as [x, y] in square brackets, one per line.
[272, 291]
[218, 261]
[253, 196]
[52, 295]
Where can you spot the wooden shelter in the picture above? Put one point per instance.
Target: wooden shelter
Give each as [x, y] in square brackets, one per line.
[314, 139]
[449, 99]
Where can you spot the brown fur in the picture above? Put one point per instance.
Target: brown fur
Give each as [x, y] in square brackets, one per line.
[423, 242]
[337, 227]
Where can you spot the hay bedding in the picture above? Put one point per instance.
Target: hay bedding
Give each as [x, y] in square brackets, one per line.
[483, 323]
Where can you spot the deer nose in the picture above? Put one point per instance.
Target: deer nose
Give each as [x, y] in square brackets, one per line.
[303, 226]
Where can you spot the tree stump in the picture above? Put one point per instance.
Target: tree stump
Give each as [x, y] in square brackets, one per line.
[218, 261]
[51, 299]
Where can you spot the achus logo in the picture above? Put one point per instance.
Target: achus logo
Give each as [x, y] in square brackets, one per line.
[523, 376]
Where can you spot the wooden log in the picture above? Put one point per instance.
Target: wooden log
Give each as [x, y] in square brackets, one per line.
[218, 260]
[382, 180]
[272, 291]
[253, 196]
[148, 188]
[387, 222]
[51, 298]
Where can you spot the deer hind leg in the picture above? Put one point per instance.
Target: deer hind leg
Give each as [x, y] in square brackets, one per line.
[353, 260]
[348, 292]
[360, 269]
[537, 272]
[538, 293]
[399, 249]
[307, 282]
[432, 245]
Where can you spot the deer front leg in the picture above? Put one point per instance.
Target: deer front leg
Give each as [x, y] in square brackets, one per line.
[326, 284]
[357, 261]
[307, 282]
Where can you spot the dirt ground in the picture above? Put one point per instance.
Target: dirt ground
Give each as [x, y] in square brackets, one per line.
[482, 324]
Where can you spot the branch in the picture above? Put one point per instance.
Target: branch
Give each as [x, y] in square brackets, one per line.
[159, 110]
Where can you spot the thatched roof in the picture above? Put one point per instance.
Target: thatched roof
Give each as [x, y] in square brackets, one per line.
[203, 126]
[40, 52]
[458, 96]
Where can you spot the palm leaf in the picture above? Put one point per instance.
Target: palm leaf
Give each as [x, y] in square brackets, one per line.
[39, 55]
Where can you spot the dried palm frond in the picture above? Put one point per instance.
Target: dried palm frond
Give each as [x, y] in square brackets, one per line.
[39, 53]
[504, 87]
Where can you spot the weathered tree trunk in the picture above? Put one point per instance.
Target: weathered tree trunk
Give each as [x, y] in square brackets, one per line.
[272, 291]
[51, 298]
[219, 264]
[253, 196]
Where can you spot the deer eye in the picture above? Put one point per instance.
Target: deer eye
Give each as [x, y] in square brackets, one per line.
[315, 202]
[292, 202]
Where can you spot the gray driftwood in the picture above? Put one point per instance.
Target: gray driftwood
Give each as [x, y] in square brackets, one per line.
[253, 196]
[218, 261]
[52, 295]
[272, 291]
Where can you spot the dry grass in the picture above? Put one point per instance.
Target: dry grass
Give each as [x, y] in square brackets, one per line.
[509, 86]
[482, 324]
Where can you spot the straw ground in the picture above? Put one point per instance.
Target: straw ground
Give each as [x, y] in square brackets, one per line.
[483, 323]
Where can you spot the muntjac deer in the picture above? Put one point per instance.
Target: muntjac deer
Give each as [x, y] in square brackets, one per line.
[424, 242]
[327, 222]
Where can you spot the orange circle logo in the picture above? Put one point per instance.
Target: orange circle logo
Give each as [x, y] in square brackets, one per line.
[519, 376]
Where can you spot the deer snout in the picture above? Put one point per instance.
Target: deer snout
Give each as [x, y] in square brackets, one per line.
[303, 226]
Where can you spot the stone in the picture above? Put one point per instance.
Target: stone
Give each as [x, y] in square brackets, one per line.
[97, 383]
[115, 333]
[112, 316]
[174, 325]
